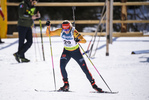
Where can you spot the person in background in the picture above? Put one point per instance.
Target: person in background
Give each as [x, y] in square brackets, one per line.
[1, 13]
[26, 16]
[71, 38]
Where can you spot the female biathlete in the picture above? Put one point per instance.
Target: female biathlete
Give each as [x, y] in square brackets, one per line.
[71, 37]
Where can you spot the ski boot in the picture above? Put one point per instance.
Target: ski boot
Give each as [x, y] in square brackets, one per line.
[66, 86]
[96, 87]
[17, 57]
[24, 60]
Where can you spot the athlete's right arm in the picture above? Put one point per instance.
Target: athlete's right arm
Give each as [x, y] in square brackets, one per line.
[53, 33]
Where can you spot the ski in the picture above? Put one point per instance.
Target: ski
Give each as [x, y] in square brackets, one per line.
[104, 92]
[51, 91]
[140, 52]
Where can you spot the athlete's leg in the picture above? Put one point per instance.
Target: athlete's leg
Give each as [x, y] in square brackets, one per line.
[80, 60]
[65, 57]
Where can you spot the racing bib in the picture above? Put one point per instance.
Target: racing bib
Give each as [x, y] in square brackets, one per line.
[68, 40]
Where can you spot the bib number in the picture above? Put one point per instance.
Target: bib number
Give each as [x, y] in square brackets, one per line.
[67, 42]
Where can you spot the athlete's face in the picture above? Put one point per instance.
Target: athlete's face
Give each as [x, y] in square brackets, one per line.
[67, 31]
[66, 27]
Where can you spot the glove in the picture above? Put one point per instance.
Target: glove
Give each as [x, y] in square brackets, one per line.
[77, 40]
[48, 23]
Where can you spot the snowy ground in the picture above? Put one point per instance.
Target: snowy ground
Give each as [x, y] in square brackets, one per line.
[123, 72]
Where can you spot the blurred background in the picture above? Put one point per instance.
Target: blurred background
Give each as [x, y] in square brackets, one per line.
[86, 13]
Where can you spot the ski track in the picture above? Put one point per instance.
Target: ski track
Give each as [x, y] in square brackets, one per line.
[128, 74]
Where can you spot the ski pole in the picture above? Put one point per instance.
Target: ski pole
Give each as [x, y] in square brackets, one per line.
[96, 33]
[102, 17]
[36, 41]
[100, 30]
[95, 68]
[90, 51]
[89, 44]
[41, 39]
[33, 31]
[38, 48]
[48, 23]
[74, 8]
[98, 41]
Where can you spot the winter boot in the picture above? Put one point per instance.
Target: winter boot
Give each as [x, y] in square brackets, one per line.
[17, 57]
[24, 60]
[96, 87]
[1, 42]
[66, 86]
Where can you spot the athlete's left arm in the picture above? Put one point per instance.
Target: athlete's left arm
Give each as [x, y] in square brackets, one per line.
[79, 36]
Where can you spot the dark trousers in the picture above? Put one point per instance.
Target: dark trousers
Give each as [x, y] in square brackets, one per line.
[0, 38]
[77, 56]
[25, 33]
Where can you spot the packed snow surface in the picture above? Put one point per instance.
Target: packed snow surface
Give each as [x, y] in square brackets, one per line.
[123, 72]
